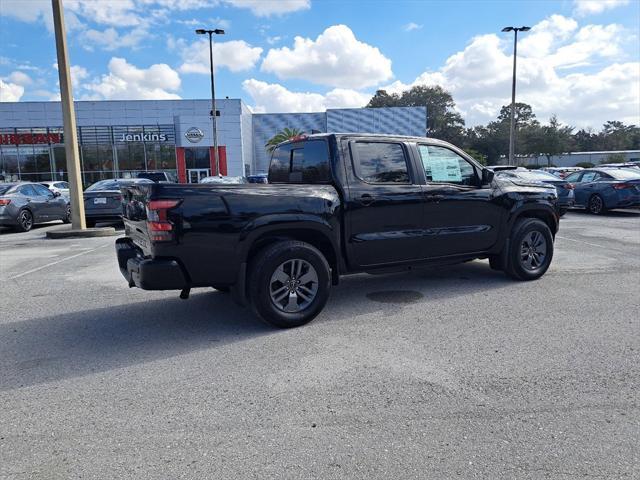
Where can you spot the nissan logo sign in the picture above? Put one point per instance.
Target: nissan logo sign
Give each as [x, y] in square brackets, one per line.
[194, 135]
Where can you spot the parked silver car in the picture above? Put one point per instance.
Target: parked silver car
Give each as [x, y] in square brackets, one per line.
[57, 186]
[22, 205]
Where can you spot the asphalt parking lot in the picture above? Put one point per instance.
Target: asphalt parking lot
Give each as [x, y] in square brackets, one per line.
[454, 372]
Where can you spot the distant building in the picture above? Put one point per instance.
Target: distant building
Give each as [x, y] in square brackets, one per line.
[572, 158]
[119, 138]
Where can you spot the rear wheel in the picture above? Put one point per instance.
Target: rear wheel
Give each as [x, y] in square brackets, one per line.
[289, 283]
[25, 220]
[596, 205]
[67, 217]
[530, 249]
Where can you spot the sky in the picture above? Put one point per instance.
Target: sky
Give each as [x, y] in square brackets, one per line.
[580, 61]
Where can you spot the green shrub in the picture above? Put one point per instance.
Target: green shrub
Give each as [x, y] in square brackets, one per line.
[585, 165]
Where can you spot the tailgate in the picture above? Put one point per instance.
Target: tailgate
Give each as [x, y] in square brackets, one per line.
[134, 214]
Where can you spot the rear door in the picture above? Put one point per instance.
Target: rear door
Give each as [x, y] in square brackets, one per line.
[460, 216]
[384, 204]
[53, 208]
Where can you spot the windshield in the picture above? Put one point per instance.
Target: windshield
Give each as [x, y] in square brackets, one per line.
[104, 185]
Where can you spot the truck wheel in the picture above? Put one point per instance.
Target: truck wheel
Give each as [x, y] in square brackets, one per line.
[289, 283]
[530, 249]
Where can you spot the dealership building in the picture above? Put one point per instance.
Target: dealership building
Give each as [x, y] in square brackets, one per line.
[121, 138]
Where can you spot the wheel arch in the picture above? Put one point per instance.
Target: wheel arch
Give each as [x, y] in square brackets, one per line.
[545, 213]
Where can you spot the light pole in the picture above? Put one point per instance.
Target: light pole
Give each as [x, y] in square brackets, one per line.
[512, 129]
[217, 31]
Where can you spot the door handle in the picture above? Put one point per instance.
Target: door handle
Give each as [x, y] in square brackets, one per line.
[366, 199]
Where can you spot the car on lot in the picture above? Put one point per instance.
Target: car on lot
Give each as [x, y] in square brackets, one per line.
[24, 204]
[224, 180]
[57, 186]
[102, 200]
[602, 189]
[259, 178]
[157, 176]
[561, 172]
[335, 204]
[621, 165]
[566, 198]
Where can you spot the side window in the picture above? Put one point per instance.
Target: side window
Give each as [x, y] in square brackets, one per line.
[603, 176]
[588, 177]
[444, 165]
[42, 191]
[304, 162]
[379, 162]
[27, 190]
[62, 185]
[574, 177]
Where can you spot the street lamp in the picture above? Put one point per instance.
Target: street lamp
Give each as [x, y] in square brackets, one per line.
[217, 31]
[512, 130]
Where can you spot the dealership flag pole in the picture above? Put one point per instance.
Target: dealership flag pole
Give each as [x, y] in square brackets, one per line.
[69, 120]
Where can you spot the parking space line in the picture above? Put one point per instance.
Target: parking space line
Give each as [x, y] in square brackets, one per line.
[54, 263]
[587, 243]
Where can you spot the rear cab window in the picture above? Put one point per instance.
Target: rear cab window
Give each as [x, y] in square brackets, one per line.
[380, 162]
[301, 162]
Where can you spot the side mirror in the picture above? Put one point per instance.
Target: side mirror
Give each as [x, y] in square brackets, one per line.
[487, 176]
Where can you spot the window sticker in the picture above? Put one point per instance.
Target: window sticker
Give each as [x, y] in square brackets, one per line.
[445, 170]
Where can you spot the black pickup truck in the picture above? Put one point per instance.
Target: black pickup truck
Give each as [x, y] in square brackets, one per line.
[335, 204]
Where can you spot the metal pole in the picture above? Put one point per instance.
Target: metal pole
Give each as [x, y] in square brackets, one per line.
[68, 120]
[213, 108]
[512, 129]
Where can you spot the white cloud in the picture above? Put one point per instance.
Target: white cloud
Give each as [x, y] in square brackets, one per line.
[266, 8]
[273, 97]
[110, 39]
[591, 7]
[411, 26]
[126, 82]
[10, 92]
[19, 78]
[336, 58]
[236, 55]
[479, 77]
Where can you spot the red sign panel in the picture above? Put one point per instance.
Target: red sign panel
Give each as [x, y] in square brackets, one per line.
[29, 138]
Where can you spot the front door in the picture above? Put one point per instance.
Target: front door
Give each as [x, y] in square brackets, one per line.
[384, 204]
[194, 175]
[460, 216]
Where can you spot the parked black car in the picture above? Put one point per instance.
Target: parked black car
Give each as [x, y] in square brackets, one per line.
[102, 200]
[566, 197]
[335, 204]
[24, 204]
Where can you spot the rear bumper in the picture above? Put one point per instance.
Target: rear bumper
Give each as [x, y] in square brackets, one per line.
[148, 273]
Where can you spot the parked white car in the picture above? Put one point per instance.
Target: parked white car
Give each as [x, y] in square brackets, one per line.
[57, 186]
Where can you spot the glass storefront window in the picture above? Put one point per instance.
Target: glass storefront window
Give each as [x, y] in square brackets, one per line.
[9, 164]
[197, 157]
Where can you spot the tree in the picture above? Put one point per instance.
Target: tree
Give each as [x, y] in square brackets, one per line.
[282, 136]
[548, 140]
[443, 121]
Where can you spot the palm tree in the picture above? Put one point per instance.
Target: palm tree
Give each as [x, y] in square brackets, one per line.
[282, 136]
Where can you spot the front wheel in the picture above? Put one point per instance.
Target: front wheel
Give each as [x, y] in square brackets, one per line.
[289, 283]
[67, 217]
[530, 249]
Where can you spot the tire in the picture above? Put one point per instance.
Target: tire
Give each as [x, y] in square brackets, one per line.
[285, 304]
[90, 223]
[25, 220]
[67, 218]
[596, 205]
[530, 249]
[221, 288]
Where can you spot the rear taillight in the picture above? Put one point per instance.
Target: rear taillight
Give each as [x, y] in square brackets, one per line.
[622, 186]
[4, 202]
[158, 224]
[569, 186]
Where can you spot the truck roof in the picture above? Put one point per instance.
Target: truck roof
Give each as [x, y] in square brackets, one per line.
[303, 137]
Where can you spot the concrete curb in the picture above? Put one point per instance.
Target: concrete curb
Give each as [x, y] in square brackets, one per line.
[86, 233]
